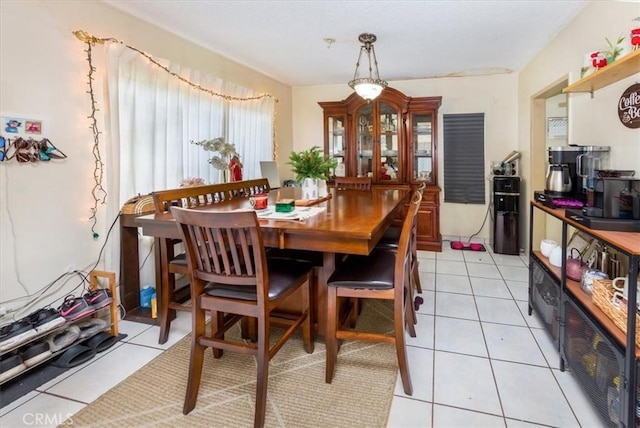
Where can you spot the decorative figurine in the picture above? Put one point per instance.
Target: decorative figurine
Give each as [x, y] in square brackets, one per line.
[235, 167]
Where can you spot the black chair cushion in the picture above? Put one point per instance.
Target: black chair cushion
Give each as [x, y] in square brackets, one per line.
[391, 238]
[313, 257]
[283, 274]
[180, 259]
[374, 271]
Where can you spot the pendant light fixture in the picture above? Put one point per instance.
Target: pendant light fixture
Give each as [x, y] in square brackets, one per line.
[368, 87]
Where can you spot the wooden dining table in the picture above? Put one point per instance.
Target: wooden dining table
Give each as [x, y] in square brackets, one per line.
[352, 222]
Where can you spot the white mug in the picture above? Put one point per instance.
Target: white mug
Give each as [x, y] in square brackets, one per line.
[619, 299]
[623, 289]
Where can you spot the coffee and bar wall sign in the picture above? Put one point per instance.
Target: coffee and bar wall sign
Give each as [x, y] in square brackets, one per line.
[629, 107]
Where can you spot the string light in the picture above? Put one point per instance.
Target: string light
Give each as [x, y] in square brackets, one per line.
[98, 193]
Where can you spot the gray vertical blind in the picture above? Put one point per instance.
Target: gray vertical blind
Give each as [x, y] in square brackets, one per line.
[464, 158]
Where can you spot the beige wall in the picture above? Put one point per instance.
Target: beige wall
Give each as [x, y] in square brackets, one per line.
[592, 120]
[44, 207]
[495, 96]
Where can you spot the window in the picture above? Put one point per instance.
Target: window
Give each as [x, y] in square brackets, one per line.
[464, 158]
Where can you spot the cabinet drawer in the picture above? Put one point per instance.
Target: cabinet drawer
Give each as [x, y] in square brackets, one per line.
[431, 196]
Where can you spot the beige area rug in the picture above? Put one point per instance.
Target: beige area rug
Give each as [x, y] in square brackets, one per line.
[359, 396]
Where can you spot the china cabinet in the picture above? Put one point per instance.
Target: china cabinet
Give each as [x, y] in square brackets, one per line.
[393, 140]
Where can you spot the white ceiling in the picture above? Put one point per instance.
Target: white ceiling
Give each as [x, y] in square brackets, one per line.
[417, 39]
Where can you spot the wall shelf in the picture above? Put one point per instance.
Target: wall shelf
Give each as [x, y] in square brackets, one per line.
[626, 66]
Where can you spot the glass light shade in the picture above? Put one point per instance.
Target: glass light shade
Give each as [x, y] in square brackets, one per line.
[368, 89]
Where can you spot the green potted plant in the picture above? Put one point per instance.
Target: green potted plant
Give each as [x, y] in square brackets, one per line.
[311, 164]
[613, 50]
[312, 169]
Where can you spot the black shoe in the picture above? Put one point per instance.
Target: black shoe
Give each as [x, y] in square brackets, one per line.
[46, 319]
[10, 365]
[16, 333]
[35, 352]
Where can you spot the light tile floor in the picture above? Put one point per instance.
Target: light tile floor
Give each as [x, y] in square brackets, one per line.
[478, 359]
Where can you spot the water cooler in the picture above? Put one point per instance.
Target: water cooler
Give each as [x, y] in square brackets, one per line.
[505, 218]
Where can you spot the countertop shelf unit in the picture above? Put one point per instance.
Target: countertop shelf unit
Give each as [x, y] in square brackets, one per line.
[626, 66]
[628, 245]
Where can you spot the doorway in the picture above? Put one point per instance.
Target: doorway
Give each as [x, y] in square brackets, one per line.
[549, 118]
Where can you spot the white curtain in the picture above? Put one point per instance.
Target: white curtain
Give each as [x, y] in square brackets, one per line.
[152, 118]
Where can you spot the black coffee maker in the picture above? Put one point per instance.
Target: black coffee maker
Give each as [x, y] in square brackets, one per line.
[616, 205]
[577, 165]
[570, 173]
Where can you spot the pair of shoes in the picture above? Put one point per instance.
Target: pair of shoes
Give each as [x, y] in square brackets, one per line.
[16, 333]
[10, 366]
[98, 298]
[46, 319]
[61, 340]
[73, 308]
[34, 353]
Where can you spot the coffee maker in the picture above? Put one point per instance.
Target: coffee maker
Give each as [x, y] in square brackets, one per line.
[570, 172]
[616, 205]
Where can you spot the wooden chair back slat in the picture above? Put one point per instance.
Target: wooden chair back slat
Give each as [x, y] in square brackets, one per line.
[227, 246]
[353, 183]
[191, 197]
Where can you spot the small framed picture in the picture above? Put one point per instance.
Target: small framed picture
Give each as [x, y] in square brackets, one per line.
[16, 126]
[33, 127]
[13, 125]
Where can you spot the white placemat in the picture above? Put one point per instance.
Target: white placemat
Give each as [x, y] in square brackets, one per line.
[299, 213]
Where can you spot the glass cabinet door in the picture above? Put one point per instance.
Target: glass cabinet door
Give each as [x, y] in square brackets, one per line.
[389, 144]
[422, 148]
[337, 142]
[365, 139]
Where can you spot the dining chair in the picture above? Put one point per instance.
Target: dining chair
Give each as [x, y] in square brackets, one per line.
[353, 183]
[232, 279]
[391, 238]
[383, 274]
[173, 292]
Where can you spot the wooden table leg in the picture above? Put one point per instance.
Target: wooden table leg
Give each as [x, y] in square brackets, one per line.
[162, 291]
[328, 266]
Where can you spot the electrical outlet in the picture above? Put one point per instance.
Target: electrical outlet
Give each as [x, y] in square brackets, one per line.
[71, 268]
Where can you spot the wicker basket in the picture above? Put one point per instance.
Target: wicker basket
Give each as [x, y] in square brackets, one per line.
[138, 205]
[602, 296]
